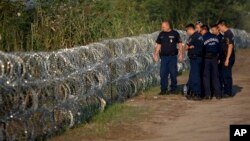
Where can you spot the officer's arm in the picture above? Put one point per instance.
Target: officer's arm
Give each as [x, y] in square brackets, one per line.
[187, 45]
[157, 51]
[190, 45]
[230, 46]
[180, 51]
[229, 51]
[180, 48]
[193, 43]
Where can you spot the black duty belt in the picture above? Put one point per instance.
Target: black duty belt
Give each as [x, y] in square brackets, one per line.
[193, 56]
[169, 54]
[211, 56]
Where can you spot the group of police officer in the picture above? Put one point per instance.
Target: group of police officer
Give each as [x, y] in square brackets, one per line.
[211, 54]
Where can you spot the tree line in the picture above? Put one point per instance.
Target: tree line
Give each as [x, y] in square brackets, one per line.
[51, 25]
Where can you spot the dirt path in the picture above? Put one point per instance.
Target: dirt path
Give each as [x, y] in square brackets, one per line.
[173, 118]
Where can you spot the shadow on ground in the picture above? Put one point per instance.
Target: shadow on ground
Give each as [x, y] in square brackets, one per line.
[237, 89]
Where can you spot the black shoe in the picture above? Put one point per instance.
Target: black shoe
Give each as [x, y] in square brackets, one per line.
[198, 98]
[162, 93]
[218, 96]
[227, 96]
[173, 92]
[189, 97]
[207, 97]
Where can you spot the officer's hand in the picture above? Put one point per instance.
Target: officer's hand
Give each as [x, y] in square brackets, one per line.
[226, 63]
[191, 47]
[186, 47]
[218, 61]
[180, 58]
[155, 57]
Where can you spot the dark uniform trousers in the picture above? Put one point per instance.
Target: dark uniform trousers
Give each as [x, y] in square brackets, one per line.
[168, 66]
[227, 79]
[194, 81]
[211, 73]
[220, 75]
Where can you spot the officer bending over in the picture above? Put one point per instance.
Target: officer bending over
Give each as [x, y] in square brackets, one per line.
[211, 54]
[215, 30]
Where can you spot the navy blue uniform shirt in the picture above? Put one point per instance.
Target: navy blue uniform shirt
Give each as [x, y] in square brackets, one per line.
[195, 40]
[228, 39]
[168, 42]
[220, 38]
[211, 44]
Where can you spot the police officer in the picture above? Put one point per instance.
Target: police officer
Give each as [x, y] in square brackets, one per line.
[215, 30]
[198, 25]
[194, 47]
[211, 54]
[227, 58]
[166, 47]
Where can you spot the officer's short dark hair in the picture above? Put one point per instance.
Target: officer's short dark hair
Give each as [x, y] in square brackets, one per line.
[190, 26]
[205, 27]
[222, 22]
[214, 26]
[167, 21]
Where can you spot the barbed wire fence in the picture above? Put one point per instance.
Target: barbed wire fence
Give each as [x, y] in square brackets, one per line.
[42, 93]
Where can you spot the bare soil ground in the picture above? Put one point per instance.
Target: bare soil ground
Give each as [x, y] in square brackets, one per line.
[173, 118]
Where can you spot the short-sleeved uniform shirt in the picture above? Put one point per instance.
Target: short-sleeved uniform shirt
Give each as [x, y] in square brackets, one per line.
[168, 42]
[228, 39]
[195, 40]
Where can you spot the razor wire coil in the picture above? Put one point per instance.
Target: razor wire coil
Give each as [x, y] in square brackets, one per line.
[42, 93]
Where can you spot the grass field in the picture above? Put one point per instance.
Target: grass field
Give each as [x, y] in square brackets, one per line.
[104, 122]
